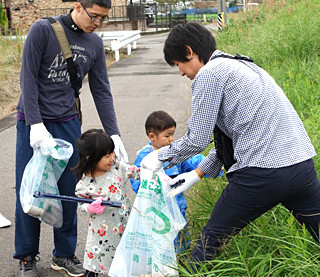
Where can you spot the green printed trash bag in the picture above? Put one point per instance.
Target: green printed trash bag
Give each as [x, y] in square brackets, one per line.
[42, 174]
[147, 245]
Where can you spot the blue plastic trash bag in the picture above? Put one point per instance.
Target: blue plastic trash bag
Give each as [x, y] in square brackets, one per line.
[42, 174]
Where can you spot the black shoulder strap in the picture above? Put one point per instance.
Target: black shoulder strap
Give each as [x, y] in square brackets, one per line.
[224, 148]
[235, 57]
[76, 83]
[51, 19]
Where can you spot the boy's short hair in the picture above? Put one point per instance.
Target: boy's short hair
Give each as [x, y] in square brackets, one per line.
[101, 3]
[189, 34]
[159, 121]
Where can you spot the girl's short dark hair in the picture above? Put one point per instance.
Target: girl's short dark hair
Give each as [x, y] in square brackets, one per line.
[159, 121]
[101, 3]
[194, 35]
[92, 146]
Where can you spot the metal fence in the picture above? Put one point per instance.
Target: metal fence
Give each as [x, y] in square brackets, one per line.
[155, 17]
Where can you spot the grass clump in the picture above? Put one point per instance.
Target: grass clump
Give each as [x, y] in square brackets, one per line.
[10, 63]
[283, 38]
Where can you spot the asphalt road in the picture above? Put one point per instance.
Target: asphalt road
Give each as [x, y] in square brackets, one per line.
[140, 84]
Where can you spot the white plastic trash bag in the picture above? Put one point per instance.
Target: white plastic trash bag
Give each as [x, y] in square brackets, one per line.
[147, 245]
[42, 174]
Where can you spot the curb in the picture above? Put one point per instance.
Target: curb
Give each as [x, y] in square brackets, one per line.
[8, 121]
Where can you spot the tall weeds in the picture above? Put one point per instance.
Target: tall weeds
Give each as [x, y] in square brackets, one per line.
[10, 62]
[10, 49]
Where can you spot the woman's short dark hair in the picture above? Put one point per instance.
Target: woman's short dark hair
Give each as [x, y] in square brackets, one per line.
[101, 3]
[194, 35]
[159, 121]
[92, 146]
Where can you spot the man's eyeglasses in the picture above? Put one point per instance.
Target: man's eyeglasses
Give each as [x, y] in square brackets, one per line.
[95, 19]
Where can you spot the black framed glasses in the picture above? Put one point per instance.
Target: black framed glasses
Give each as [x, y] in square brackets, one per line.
[95, 19]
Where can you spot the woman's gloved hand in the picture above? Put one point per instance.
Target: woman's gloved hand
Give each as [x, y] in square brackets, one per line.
[95, 207]
[190, 178]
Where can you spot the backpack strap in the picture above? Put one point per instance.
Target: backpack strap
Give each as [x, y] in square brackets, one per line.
[76, 82]
[67, 54]
[61, 37]
[235, 57]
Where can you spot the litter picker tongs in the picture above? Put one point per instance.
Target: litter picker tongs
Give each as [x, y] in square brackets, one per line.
[178, 183]
[38, 194]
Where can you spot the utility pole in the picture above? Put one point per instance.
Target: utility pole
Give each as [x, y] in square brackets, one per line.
[222, 14]
[244, 5]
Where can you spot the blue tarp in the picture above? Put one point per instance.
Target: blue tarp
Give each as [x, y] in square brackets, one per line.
[208, 10]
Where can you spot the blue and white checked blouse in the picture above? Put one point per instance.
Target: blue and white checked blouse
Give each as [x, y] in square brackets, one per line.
[249, 107]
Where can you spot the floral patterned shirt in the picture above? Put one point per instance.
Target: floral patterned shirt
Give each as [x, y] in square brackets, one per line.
[105, 229]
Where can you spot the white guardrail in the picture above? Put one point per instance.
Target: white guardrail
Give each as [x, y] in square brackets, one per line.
[119, 39]
[113, 39]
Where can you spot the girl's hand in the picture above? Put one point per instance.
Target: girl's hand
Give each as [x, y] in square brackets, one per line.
[95, 207]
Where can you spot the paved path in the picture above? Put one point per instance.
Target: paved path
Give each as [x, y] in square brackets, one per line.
[140, 84]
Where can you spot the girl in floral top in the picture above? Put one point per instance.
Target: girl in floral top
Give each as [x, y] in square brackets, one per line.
[102, 178]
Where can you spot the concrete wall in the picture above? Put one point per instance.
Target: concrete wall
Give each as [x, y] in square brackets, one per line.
[125, 25]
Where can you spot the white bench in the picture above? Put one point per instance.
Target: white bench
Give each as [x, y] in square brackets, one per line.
[119, 39]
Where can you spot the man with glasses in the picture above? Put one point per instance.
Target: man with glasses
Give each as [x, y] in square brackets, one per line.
[95, 19]
[47, 106]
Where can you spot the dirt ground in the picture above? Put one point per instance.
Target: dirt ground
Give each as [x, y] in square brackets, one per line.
[9, 92]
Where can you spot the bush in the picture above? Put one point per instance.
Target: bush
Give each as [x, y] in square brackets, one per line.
[3, 18]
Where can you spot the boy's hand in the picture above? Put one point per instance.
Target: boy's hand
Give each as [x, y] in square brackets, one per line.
[95, 207]
[119, 149]
[190, 179]
[151, 161]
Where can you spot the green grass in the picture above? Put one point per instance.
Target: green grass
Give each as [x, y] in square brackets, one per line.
[283, 38]
[10, 50]
[10, 62]
[196, 17]
[209, 17]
